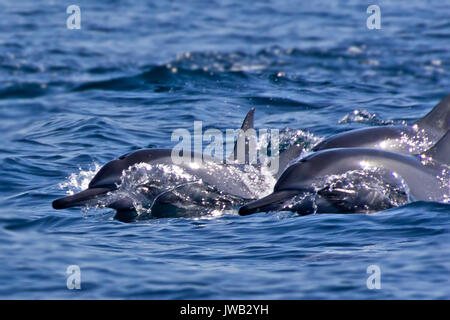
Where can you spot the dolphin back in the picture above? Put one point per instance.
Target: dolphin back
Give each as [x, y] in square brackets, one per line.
[438, 119]
[441, 150]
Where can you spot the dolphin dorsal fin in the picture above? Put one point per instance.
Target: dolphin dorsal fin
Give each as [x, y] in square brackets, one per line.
[441, 150]
[247, 124]
[438, 119]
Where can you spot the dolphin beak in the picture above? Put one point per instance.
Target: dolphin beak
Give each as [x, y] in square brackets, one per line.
[80, 198]
[273, 201]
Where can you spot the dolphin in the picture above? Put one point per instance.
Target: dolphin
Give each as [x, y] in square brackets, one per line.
[205, 183]
[217, 178]
[208, 172]
[304, 186]
[402, 139]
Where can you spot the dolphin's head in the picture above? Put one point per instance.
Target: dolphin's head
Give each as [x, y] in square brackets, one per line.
[294, 181]
[109, 175]
[104, 181]
[107, 179]
[296, 189]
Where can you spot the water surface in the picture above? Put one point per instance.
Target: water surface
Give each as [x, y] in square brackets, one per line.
[71, 100]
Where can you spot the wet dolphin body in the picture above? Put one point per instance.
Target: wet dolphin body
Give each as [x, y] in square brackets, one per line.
[402, 139]
[223, 178]
[414, 139]
[425, 176]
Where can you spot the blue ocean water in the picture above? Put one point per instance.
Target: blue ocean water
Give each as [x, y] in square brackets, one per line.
[71, 100]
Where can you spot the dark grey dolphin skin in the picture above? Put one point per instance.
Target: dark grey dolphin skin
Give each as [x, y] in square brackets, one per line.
[392, 138]
[108, 178]
[222, 177]
[226, 179]
[419, 172]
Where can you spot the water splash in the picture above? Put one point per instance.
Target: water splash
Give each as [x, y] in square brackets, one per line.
[364, 116]
[142, 184]
[418, 143]
[306, 139]
[358, 191]
[444, 180]
[79, 181]
[378, 189]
